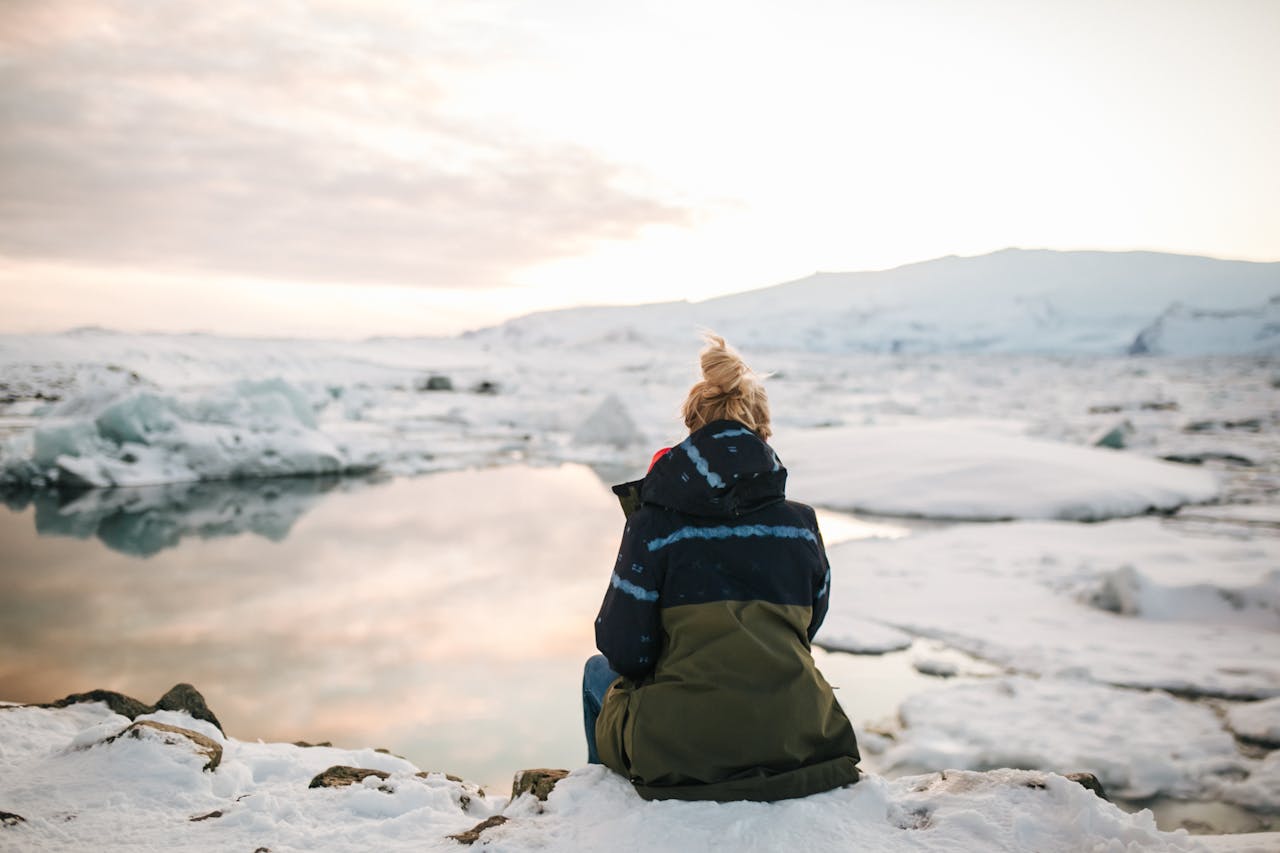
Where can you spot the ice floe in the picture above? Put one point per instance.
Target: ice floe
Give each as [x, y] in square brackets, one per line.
[249, 428]
[1257, 721]
[1138, 743]
[954, 470]
[1024, 595]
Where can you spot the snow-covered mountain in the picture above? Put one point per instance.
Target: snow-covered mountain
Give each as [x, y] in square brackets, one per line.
[1014, 300]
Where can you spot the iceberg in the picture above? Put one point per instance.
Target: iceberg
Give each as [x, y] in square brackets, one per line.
[249, 428]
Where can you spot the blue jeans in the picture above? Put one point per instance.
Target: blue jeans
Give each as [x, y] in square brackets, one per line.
[596, 678]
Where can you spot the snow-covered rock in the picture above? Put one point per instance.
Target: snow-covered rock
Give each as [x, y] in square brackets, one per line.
[957, 470]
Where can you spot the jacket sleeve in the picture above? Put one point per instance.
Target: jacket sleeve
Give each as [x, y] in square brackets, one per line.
[821, 586]
[629, 628]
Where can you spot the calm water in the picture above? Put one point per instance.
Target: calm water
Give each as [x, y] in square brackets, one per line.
[445, 617]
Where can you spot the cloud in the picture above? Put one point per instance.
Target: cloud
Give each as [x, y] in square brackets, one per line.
[313, 142]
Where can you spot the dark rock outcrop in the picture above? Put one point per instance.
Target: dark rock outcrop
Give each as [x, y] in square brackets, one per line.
[184, 697]
[180, 697]
[341, 775]
[435, 382]
[539, 781]
[125, 706]
[11, 819]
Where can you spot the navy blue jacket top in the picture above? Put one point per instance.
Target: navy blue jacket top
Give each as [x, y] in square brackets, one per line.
[713, 525]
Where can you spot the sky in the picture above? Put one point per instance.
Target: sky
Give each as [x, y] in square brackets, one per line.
[361, 167]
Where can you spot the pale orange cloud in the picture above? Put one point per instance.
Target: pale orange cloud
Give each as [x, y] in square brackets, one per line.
[292, 141]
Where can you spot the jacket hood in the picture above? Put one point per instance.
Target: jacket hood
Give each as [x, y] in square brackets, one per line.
[721, 471]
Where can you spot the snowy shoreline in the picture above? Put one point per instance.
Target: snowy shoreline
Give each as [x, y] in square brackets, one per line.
[85, 777]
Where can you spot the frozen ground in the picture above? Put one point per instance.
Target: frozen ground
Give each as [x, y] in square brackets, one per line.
[1136, 603]
[75, 788]
[1083, 619]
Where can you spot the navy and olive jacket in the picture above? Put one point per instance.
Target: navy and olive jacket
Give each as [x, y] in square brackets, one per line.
[719, 587]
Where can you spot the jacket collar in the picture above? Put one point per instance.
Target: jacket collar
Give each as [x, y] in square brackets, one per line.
[722, 470]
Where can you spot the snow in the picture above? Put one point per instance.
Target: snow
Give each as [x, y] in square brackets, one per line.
[1188, 331]
[863, 636]
[1257, 721]
[957, 470]
[1261, 790]
[1009, 301]
[76, 791]
[1035, 597]
[250, 428]
[894, 393]
[1180, 749]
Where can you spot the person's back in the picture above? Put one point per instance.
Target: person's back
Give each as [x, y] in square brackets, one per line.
[718, 589]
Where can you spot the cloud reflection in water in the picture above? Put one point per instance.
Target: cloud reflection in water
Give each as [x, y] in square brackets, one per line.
[444, 617]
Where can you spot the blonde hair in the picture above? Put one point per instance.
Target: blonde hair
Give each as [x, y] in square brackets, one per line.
[728, 390]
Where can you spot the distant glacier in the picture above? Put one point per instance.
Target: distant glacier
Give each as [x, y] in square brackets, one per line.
[1015, 300]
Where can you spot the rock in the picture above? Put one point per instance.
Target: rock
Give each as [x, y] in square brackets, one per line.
[125, 706]
[436, 382]
[200, 817]
[539, 782]
[173, 736]
[304, 743]
[1088, 780]
[181, 697]
[11, 819]
[472, 835]
[485, 386]
[1116, 437]
[1199, 458]
[184, 697]
[339, 776]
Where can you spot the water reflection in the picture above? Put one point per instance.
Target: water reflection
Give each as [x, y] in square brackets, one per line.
[445, 617]
[145, 520]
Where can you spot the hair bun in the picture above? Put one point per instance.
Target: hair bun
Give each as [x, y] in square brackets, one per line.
[728, 390]
[722, 369]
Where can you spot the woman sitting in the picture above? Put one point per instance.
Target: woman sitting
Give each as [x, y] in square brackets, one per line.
[707, 689]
